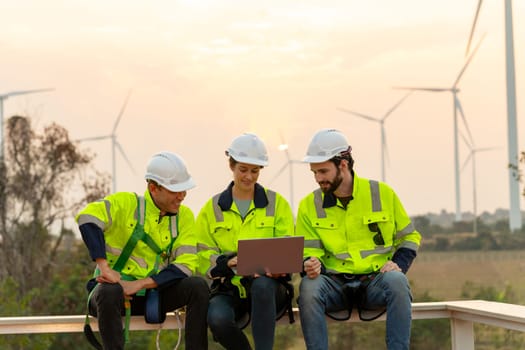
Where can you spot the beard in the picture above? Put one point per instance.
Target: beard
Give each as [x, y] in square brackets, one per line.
[330, 186]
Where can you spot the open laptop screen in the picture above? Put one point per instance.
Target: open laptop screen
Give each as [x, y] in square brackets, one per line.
[274, 255]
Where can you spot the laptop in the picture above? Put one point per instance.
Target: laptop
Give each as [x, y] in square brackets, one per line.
[275, 255]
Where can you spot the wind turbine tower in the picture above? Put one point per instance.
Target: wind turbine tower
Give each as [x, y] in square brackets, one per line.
[515, 222]
[457, 106]
[381, 121]
[289, 164]
[472, 158]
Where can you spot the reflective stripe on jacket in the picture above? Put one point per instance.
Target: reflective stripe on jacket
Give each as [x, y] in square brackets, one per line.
[116, 215]
[220, 225]
[343, 240]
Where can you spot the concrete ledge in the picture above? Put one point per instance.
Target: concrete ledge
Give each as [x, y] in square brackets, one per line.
[75, 324]
[477, 311]
[492, 313]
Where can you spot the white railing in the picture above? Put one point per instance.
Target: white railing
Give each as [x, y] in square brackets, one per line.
[462, 314]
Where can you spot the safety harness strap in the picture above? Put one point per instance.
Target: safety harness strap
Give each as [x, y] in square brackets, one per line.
[290, 295]
[88, 331]
[137, 235]
[236, 281]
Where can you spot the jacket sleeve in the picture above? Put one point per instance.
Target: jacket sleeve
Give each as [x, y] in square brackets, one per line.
[184, 250]
[313, 246]
[407, 239]
[93, 220]
[221, 268]
[403, 257]
[168, 276]
[284, 221]
[207, 249]
[93, 238]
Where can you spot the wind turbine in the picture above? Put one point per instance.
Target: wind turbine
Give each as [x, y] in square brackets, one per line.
[381, 121]
[289, 164]
[515, 222]
[457, 106]
[4, 97]
[114, 144]
[472, 157]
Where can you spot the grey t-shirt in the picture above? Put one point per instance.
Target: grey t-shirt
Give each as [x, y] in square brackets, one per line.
[243, 205]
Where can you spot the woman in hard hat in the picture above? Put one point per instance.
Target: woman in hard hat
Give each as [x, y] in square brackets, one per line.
[245, 209]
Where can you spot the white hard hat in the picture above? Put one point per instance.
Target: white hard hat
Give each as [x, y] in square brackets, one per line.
[168, 170]
[248, 148]
[325, 144]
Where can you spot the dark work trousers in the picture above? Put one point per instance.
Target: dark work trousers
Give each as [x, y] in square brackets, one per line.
[107, 304]
[268, 298]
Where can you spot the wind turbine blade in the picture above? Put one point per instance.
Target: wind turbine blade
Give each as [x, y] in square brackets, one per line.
[360, 115]
[473, 28]
[470, 153]
[468, 61]
[122, 109]
[121, 150]
[484, 149]
[460, 108]
[466, 160]
[397, 104]
[283, 168]
[23, 92]
[95, 138]
[467, 142]
[421, 89]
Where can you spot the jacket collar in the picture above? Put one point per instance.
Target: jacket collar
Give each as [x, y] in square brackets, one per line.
[151, 206]
[330, 200]
[226, 197]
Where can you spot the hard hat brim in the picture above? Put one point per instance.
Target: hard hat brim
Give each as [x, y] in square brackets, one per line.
[180, 187]
[249, 160]
[316, 159]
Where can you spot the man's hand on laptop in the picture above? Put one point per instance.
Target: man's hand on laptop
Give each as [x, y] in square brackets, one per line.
[312, 267]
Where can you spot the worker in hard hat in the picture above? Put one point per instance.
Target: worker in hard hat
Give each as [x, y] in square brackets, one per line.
[245, 209]
[145, 250]
[359, 244]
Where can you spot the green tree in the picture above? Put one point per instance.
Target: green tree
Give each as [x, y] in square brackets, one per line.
[520, 177]
[44, 179]
[492, 293]
[13, 303]
[442, 244]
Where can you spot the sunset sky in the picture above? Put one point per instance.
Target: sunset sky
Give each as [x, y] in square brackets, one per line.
[203, 72]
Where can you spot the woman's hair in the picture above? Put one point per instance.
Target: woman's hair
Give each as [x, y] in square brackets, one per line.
[233, 162]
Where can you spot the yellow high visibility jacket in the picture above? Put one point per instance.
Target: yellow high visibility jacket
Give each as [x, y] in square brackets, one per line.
[343, 240]
[220, 225]
[116, 215]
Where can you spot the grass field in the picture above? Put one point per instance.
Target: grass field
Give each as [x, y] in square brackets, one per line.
[443, 274]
